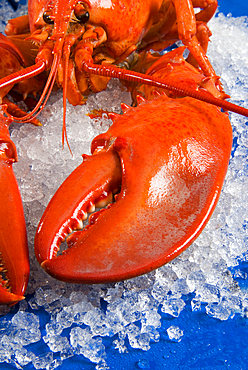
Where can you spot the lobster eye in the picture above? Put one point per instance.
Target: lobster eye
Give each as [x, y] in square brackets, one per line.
[84, 17]
[47, 18]
[81, 13]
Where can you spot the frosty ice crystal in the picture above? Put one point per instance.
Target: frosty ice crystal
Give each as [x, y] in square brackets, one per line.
[133, 309]
[175, 333]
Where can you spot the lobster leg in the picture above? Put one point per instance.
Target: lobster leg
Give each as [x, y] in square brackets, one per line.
[14, 256]
[208, 9]
[17, 26]
[183, 24]
[187, 33]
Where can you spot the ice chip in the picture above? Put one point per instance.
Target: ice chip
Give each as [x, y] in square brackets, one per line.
[43, 361]
[65, 318]
[180, 286]
[138, 339]
[83, 343]
[153, 333]
[24, 357]
[56, 343]
[114, 293]
[175, 333]
[66, 352]
[26, 320]
[151, 318]
[218, 311]
[195, 304]
[119, 344]
[173, 306]
[55, 364]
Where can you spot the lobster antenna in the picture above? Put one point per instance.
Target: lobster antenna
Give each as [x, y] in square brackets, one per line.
[203, 95]
[45, 94]
[65, 79]
[22, 75]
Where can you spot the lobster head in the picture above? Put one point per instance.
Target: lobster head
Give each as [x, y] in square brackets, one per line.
[123, 23]
[70, 33]
[167, 161]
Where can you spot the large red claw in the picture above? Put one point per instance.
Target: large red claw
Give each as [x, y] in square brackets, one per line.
[170, 157]
[14, 257]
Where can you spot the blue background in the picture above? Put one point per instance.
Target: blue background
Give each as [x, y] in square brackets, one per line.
[236, 7]
[207, 343]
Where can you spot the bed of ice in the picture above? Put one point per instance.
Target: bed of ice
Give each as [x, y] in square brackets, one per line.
[133, 308]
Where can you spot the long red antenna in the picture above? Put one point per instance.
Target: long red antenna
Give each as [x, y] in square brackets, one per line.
[46, 92]
[201, 94]
[23, 74]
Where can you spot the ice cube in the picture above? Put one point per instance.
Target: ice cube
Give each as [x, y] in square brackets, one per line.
[175, 333]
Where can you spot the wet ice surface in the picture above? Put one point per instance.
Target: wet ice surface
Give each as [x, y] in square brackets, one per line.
[132, 316]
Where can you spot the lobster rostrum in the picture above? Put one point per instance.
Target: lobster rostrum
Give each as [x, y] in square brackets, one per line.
[161, 166]
[14, 258]
[81, 44]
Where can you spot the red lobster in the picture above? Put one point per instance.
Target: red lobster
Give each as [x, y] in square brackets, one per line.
[80, 45]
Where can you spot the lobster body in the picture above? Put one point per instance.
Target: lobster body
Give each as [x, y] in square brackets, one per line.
[13, 238]
[170, 157]
[70, 35]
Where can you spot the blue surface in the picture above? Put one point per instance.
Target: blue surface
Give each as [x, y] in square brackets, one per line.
[207, 343]
[236, 7]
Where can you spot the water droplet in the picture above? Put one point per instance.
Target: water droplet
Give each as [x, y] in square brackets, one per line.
[143, 364]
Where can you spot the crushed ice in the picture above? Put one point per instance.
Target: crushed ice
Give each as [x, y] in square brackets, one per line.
[133, 308]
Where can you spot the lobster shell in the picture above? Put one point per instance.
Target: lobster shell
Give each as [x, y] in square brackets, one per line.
[173, 157]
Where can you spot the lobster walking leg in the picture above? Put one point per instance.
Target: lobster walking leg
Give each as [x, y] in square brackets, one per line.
[208, 7]
[187, 33]
[14, 257]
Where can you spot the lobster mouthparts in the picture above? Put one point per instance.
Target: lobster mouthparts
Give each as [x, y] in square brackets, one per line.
[170, 158]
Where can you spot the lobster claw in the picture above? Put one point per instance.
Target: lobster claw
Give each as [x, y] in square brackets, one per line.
[14, 256]
[169, 157]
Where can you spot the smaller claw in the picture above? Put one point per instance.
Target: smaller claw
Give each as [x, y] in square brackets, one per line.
[14, 257]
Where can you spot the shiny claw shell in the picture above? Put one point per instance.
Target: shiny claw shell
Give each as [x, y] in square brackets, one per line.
[169, 157]
[14, 256]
